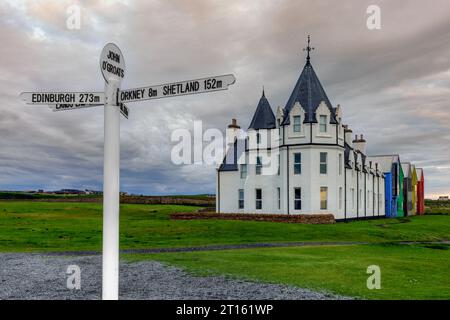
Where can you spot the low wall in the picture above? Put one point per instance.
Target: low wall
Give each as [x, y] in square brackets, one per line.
[293, 218]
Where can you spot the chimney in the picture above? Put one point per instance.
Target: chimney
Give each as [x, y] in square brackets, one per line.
[348, 135]
[232, 131]
[360, 144]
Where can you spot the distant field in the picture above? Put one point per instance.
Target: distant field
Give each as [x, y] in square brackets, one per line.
[437, 207]
[18, 195]
[61, 226]
[38, 196]
[193, 200]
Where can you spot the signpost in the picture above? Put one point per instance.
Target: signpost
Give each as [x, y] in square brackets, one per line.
[112, 66]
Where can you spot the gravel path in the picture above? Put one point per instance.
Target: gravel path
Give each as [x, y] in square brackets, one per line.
[37, 276]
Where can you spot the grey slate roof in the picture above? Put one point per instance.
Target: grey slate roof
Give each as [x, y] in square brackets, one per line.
[309, 93]
[363, 157]
[263, 117]
[384, 161]
[230, 161]
[347, 151]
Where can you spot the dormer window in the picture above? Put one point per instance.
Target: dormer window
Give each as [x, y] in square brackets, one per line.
[297, 124]
[323, 123]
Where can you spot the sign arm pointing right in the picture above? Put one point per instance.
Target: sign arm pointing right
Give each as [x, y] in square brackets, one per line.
[181, 88]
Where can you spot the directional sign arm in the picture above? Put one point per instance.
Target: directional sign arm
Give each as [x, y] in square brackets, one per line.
[57, 98]
[65, 107]
[203, 85]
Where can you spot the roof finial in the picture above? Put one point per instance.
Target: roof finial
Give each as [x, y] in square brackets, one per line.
[308, 49]
[263, 92]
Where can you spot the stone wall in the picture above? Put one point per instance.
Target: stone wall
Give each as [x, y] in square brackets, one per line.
[293, 218]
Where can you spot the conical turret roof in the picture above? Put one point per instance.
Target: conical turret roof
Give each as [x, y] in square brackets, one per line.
[263, 117]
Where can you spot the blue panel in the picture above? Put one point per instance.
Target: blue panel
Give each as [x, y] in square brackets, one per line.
[388, 194]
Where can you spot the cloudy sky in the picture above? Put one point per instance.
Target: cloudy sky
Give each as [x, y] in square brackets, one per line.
[392, 83]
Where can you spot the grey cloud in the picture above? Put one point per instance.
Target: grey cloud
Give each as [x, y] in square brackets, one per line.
[391, 83]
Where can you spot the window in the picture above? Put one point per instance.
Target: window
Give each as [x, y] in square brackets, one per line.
[258, 198]
[279, 128]
[297, 198]
[243, 171]
[258, 138]
[379, 201]
[258, 166]
[353, 198]
[323, 198]
[323, 123]
[279, 197]
[279, 164]
[297, 124]
[323, 163]
[374, 197]
[340, 197]
[241, 199]
[340, 163]
[297, 163]
[360, 198]
[368, 199]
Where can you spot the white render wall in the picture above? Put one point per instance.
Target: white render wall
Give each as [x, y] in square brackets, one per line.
[356, 201]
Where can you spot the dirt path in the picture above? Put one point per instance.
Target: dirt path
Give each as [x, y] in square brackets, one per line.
[241, 246]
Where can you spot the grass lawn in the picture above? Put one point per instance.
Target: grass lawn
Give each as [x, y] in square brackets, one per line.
[407, 271]
[55, 226]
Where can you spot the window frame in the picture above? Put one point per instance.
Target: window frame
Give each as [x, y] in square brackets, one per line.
[279, 164]
[258, 166]
[321, 117]
[279, 197]
[323, 164]
[297, 165]
[297, 127]
[241, 201]
[243, 173]
[258, 200]
[322, 201]
[297, 200]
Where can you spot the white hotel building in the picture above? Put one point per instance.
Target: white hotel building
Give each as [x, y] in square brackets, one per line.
[301, 160]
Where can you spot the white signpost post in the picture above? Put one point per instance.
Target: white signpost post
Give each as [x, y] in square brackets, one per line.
[112, 66]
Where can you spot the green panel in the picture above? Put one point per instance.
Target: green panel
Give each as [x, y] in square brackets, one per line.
[400, 212]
